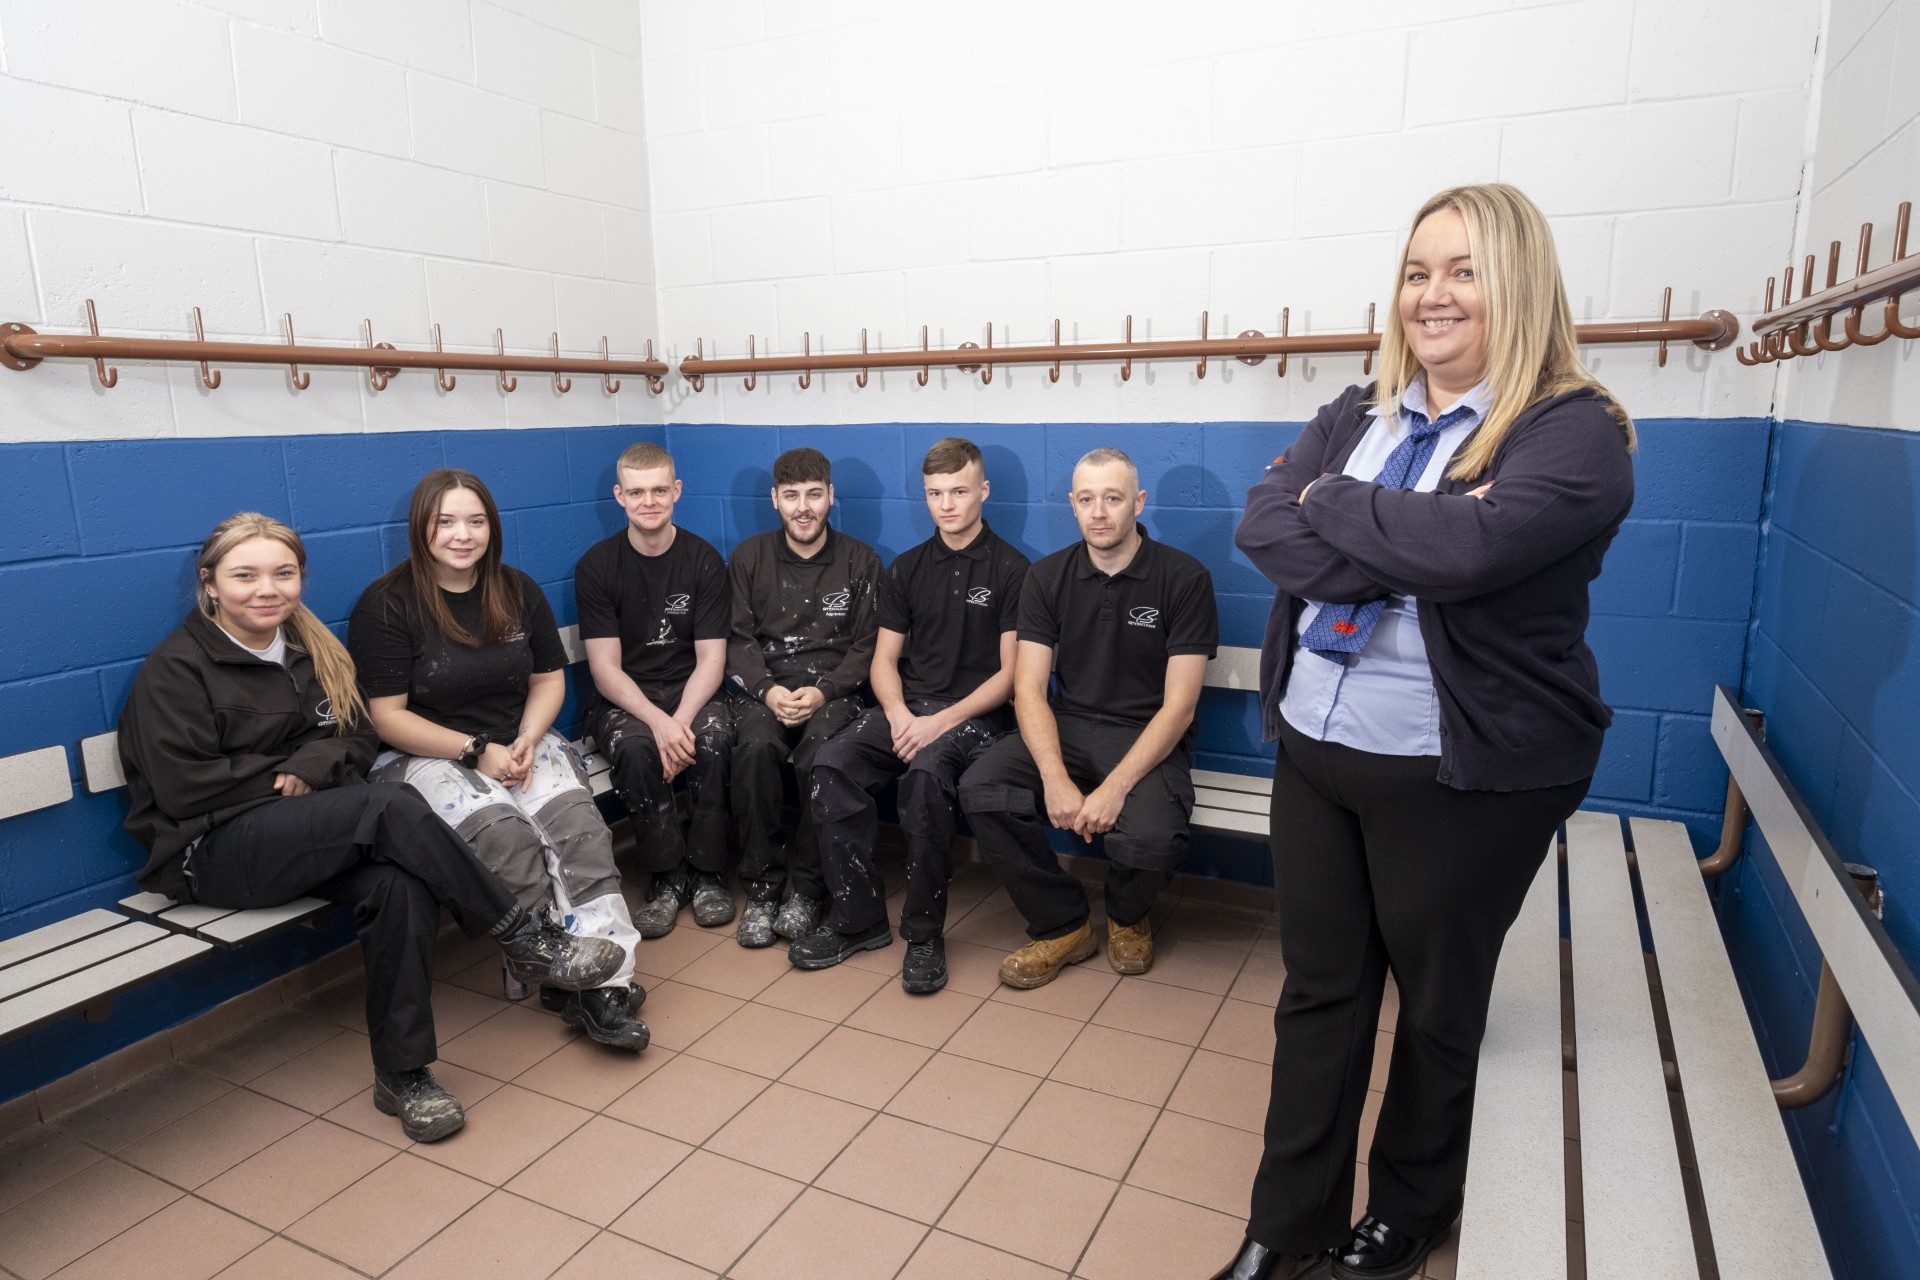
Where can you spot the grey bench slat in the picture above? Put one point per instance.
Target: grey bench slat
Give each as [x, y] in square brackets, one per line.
[147, 906]
[1515, 1222]
[1252, 824]
[1757, 1207]
[240, 927]
[100, 762]
[1240, 801]
[59, 934]
[33, 780]
[192, 917]
[57, 1000]
[51, 966]
[1635, 1209]
[1252, 784]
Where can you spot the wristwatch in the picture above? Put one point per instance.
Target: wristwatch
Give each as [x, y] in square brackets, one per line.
[473, 749]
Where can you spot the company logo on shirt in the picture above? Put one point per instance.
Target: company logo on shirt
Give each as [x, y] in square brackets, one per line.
[665, 636]
[834, 603]
[678, 603]
[1143, 616]
[325, 712]
[980, 595]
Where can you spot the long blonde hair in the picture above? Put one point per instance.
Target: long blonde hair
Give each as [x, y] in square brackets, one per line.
[331, 665]
[1532, 350]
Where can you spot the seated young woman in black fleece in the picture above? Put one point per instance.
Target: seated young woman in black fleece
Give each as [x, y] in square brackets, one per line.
[246, 742]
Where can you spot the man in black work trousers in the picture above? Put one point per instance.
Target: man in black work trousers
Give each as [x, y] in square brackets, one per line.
[655, 612]
[1134, 624]
[802, 642]
[942, 674]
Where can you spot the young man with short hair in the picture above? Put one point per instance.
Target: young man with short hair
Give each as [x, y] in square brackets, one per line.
[802, 641]
[655, 613]
[942, 674]
[1133, 623]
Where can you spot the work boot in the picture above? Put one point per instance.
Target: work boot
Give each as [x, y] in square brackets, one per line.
[756, 921]
[799, 916]
[427, 1113]
[1130, 946]
[925, 970]
[605, 1014]
[826, 946]
[1040, 961]
[544, 954]
[665, 897]
[712, 904]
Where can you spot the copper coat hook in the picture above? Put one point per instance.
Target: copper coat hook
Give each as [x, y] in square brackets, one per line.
[1053, 374]
[1823, 331]
[987, 375]
[1366, 364]
[441, 378]
[378, 376]
[1894, 326]
[300, 380]
[1126, 366]
[608, 383]
[806, 348]
[1666, 310]
[1795, 336]
[656, 383]
[1201, 371]
[921, 377]
[500, 347]
[211, 381]
[560, 384]
[1286, 314]
[860, 379]
[699, 380]
[753, 379]
[108, 377]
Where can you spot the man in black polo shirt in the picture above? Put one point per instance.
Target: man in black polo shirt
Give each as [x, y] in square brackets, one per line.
[1133, 622]
[655, 612]
[802, 642]
[942, 673]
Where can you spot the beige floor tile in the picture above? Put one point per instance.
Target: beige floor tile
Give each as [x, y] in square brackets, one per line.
[38, 1158]
[858, 1067]
[1217, 925]
[389, 1213]
[1156, 1009]
[1124, 1064]
[1150, 1237]
[922, 1020]
[1242, 1029]
[1181, 961]
[1030, 1207]
[343, 1003]
[1203, 1163]
[482, 976]
[264, 1044]
[1442, 1261]
[45, 1232]
[152, 1102]
[297, 1174]
[1268, 943]
[944, 1257]
[823, 1237]
[506, 1131]
[828, 994]
[323, 1077]
[508, 1043]
[905, 1168]
[975, 1099]
[975, 971]
[201, 1146]
[1093, 1131]
[599, 1170]
[608, 1254]
[282, 1259]
[791, 1132]
[1009, 1036]
[454, 951]
[1382, 1059]
[677, 1014]
[503, 1235]
[1076, 993]
[740, 972]
[761, 1040]
[188, 1240]
[1369, 1119]
[998, 926]
[591, 1075]
[661, 958]
[709, 1210]
[1224, 1089]
[1390, 1003]
[457, 1010]
[689, 1098]
[1260, 980]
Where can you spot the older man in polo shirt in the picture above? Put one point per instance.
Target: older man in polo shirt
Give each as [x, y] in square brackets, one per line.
[1134, 623]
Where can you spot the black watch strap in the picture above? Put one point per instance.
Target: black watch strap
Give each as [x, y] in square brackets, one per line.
[473, 749]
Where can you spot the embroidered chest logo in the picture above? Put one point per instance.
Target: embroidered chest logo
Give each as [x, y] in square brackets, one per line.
[325, 713]
[1143, 616]
[834, 603]
[677, 603]
[980, 595]
[665, 636]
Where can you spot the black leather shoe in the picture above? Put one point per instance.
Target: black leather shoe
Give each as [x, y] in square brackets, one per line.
[1378, 1252]
[1257, 1262]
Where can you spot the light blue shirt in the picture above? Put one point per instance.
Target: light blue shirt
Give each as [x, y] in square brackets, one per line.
[1382, 700]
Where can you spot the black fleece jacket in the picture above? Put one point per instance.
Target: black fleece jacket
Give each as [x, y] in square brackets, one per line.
[802, 621]
[205, 729]
[1501, 581]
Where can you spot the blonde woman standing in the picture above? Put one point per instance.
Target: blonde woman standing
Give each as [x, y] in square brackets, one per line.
[1431, 538]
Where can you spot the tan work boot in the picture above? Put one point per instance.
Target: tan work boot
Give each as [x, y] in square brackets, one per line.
[1038, 963]
[1130, 946]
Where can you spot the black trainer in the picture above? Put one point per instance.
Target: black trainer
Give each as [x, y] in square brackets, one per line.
[656, 917]
[554, 1000]
[427, 1113]
[544, 954]
[826, 947]
[925, 970]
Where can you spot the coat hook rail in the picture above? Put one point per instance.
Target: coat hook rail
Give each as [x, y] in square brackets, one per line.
[1805, 327]
[22, 347]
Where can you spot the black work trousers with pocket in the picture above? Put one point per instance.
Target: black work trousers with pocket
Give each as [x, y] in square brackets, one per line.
[376, 848]
[634, 758]
[1380, 868]
[762, 746]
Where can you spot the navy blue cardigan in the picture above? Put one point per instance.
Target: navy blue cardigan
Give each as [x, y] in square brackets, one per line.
[1501, 581]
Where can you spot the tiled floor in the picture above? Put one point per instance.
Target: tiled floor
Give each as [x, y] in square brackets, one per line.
[783, 1126]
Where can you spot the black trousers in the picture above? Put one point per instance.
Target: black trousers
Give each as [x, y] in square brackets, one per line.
[635, 759]
[379, 849]
[848, 773]
[1005, 804]
[1379, 867]
[761, 747]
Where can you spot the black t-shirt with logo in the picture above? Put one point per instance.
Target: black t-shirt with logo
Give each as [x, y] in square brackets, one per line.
[478, 690]
[952, 606]
[656, 606]
[1113, 635]
[802, 620]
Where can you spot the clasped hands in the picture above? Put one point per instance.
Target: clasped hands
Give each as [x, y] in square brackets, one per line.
[1085, 815]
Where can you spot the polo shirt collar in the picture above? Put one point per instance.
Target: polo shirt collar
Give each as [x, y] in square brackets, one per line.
[1478, 399]
[785, 551]
[975, 550]
[1136, 568]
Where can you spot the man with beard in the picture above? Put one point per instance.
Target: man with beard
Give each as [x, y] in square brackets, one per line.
[803, 633]
[1134, 624]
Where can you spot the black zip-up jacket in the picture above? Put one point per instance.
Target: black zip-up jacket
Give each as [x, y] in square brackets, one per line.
[205, 729]
[800, 621]
[1501, 581]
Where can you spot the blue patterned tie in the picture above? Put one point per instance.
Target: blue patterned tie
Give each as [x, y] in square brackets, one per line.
[1341, 630]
